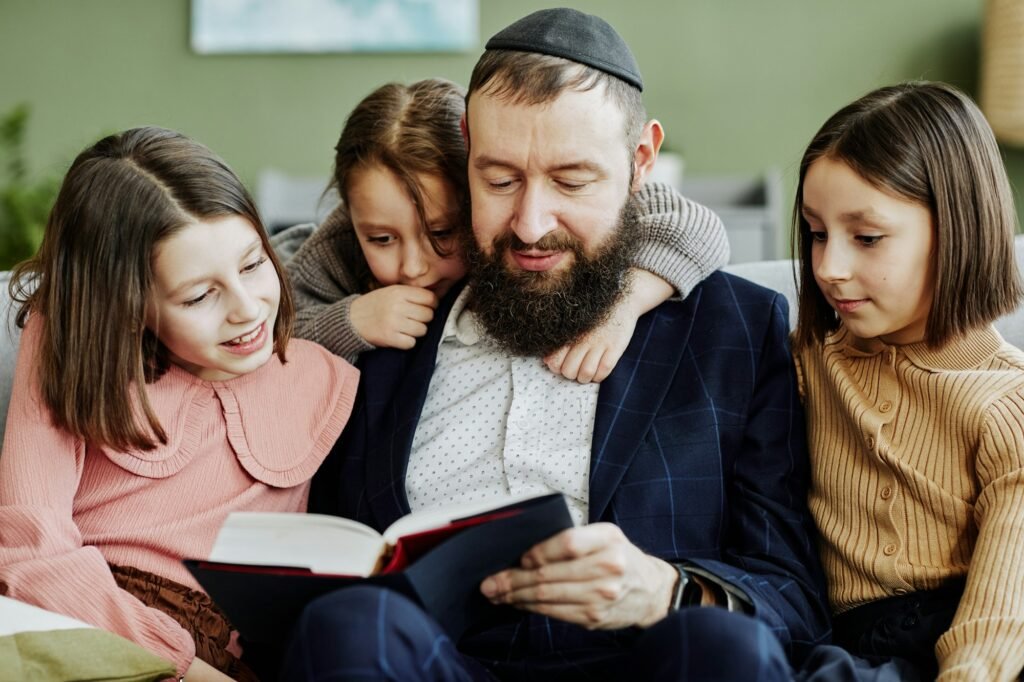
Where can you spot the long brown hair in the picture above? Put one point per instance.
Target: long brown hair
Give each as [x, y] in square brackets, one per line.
[410, 130]
[928, 143]
[92, 277]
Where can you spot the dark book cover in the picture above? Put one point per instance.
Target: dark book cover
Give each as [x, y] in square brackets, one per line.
[441, 569]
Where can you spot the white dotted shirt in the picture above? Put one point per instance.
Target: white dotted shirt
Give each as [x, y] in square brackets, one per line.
[495, 425]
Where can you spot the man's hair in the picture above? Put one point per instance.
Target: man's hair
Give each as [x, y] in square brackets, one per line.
[531, 78]
[928, 143]
[92, 278]
[410, 130]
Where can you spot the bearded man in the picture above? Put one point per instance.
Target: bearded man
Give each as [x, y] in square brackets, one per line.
[687, 464]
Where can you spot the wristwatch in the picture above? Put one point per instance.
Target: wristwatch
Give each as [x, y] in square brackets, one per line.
[687, 592]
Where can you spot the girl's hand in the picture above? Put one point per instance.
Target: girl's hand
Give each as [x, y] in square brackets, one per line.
[593, 357]
[201, 671]
[393, 316]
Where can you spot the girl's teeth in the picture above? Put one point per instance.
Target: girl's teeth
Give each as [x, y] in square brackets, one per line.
[244, 339]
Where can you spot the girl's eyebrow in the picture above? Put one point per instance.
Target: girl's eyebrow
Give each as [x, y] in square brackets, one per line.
[188, 284]
[374, 226]
[808, 211]
[865, 216]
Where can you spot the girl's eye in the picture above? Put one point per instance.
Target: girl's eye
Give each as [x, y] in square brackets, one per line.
[819, 235]
[869, 239]
[197, 300]
[441, 235]
[382, 239]
[252, 267]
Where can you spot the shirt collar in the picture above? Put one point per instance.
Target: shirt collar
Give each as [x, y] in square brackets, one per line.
[462, 324]
[961, 353]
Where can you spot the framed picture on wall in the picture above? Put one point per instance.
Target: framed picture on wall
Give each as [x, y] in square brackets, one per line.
[305, 26]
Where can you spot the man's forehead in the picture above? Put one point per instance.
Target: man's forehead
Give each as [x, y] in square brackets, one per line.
[571, 117]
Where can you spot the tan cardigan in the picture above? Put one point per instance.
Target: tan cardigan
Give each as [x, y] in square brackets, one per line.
[917, 461]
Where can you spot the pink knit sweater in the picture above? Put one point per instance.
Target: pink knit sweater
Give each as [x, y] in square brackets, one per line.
[68, 508]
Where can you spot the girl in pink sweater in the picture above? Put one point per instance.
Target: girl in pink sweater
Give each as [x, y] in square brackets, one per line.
[153, 396]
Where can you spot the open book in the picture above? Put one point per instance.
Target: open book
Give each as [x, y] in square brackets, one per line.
[265, 567]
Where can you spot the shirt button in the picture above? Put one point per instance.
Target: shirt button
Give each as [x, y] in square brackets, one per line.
[871, 442]
[889, 549]
[885, 406]
[886, 493]
[899, 590]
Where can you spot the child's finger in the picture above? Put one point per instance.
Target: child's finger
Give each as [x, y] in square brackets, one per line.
[554, 360]
[412, 328]
[606, 363]
[418, 312]
[420, 296]
[590, 365]
[570, 368]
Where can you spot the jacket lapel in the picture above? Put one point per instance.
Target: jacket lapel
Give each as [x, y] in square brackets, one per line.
[395, 384]
[631, 395]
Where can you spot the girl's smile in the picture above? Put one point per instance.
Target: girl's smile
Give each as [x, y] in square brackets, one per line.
[215, 298]
[248, 343]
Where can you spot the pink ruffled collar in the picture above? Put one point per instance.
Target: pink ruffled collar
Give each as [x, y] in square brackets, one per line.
[281, 420]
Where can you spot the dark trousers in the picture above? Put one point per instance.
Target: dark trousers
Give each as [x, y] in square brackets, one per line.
[889, 640]
[370, 633]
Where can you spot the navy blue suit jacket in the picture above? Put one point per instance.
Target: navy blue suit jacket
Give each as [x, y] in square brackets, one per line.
[698, 451]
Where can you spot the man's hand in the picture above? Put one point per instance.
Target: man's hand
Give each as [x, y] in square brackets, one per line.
[592, 576]
[394, 316]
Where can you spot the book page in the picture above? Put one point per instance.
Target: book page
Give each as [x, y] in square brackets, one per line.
[321, 543]
[436, 517]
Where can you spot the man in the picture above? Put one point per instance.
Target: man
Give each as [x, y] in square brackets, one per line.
[688, 461]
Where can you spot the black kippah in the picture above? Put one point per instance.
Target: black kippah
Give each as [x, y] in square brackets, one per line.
[572, 35]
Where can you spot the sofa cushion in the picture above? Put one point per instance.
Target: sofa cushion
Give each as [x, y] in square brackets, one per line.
[39, 645]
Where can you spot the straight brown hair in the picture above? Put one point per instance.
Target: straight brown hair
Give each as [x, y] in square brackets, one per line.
[92, 277]
[926, 142]
[411, 130]
[532, 78]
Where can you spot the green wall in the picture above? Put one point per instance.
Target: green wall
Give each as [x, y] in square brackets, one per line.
[739, 84]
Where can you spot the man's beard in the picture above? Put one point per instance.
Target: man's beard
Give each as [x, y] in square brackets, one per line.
[535, 313]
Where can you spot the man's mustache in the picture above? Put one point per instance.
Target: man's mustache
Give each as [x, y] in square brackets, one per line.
[552, 241]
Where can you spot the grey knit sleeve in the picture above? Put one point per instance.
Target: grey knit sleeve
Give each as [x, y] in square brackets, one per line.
[681, 241]
[324, 281]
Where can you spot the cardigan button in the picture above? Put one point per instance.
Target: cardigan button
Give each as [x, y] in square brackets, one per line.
[889, 549]
[886, 493]
[885, 406]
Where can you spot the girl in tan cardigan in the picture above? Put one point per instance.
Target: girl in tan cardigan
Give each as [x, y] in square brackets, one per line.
[904, 226]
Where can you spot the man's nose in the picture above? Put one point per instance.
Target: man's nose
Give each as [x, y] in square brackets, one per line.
[535, 215]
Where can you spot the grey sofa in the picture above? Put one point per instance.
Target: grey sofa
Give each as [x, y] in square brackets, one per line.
[776, 275]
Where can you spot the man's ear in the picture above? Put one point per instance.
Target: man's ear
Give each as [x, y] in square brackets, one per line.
[464, 127]
[646, 152]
